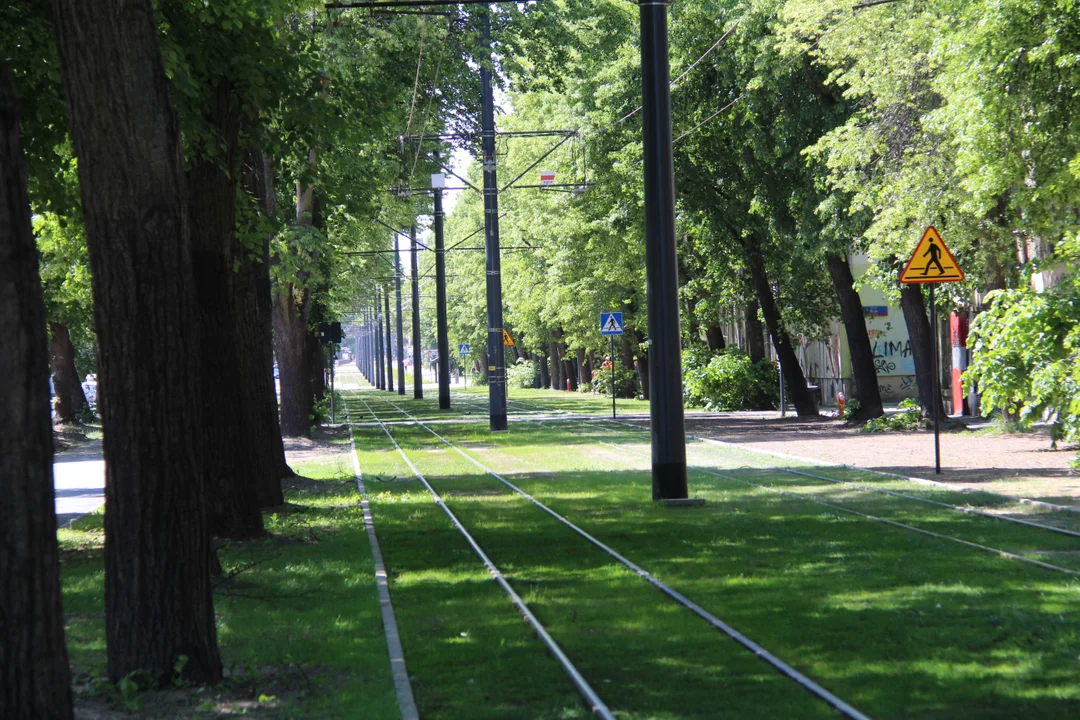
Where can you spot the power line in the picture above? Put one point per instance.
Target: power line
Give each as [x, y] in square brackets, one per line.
[416, 82]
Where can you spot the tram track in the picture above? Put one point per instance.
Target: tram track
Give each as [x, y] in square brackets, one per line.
[838, 704]
[869, 488]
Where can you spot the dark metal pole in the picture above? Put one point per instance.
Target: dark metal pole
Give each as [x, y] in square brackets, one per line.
[388, 366]
[661, 265]
[612, 377]
[935, 382]
[418, 378]
[441, 330]
[378, 343]
[496, 368]
[400, 326]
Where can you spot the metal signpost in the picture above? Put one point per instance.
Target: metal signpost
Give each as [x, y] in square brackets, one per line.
[932, 253]
[611, 325]
[463, 349]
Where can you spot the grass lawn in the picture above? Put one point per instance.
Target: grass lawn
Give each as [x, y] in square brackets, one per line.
[900, 625]
[896, 623]
[299, 626]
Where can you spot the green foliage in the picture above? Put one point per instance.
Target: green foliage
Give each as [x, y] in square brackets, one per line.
[522, 374]
[851, 409]
[1026, 349]
[909, 418]
[626, 384]
[729, 380]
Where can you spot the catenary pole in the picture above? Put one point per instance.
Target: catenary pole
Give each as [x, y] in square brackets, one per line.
[378, 342]
[442, 331]
[496, 368]
[414, 265]
[388, 366]
[400, 324]
[661, 267]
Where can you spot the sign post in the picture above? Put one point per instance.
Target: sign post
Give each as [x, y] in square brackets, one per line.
[463, 350]
[611, 325]
[932, 254]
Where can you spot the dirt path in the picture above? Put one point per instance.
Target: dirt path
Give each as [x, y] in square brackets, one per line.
[1014, 464]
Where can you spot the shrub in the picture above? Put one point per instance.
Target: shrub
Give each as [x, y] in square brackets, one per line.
[625, 380]
[909, 418]
[729, 380]
[522, 374]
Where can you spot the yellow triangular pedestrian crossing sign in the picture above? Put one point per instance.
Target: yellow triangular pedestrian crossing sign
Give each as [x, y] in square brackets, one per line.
[507, 340]
[932, 261]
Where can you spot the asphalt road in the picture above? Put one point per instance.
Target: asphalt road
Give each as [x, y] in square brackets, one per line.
[79, 482]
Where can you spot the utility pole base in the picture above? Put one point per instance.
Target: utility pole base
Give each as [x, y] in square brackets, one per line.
[669, 481]
[498, 423]
[684, 502]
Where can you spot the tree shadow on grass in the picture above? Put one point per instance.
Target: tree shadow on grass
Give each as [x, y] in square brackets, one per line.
[899, 624]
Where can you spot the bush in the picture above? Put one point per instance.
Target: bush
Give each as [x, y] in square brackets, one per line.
[625, 380]
[909, 418]
[729, 381]
[522, 374]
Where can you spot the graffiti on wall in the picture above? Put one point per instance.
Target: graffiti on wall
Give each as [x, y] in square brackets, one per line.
[892, 351]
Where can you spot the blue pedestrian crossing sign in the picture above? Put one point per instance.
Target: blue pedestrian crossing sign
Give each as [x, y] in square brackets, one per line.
[611, 323]
[463, 348]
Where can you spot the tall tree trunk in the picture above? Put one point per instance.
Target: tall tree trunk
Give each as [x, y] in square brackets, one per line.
[584, 378]
[290, 315]
[626, 350]
[714, 336]
[556, 366]
[918, 325]
[545, 374]
[799, 393]
[254, 342]
[755, 339]
[70, 397]
[692, 323]
[858, 340]
[569, 374]
[158, 604]
[212, 183]
[643, 363]
[35, 681]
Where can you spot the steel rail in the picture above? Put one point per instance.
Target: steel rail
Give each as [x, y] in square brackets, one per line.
[791, 673]
[870, 488]
[598, 707]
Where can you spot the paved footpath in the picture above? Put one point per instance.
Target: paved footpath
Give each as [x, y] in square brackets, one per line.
[79, 480]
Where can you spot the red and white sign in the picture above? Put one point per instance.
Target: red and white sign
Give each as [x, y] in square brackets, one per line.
[547, 177]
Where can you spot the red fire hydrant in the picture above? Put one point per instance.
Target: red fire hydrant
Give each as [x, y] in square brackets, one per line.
[840, 402]
[567, 384]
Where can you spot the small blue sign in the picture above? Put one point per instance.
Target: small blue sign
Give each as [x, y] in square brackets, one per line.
[611, 323]
[463, 348]
[876, 310]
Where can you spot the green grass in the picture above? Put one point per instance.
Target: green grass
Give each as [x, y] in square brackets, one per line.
[299, 623]
[899, 624]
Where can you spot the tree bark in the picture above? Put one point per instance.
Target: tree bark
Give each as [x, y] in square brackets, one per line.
[556, 366]
[35, 681]
[212, 183]
[254, 341]
[70, 397]
[584, 378]
[858, 340]
[643, 362]
[158, 604]
[545, 374]
[799, 393]
[290, 347]
[714, 336]
[918, 325]
[755, 339]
